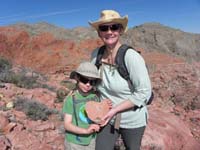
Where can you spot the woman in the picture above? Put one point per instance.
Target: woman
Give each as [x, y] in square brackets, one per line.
[129, 107]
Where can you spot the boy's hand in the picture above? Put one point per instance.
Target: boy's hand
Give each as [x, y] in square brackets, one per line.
[93, 128]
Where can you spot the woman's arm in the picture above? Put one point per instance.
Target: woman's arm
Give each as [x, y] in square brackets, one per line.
[139, 76]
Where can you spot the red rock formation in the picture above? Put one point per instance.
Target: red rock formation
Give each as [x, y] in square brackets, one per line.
[96, 110]
[174, 114]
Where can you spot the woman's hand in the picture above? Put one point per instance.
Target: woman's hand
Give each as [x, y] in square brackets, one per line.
[123, 106]
[108, 117]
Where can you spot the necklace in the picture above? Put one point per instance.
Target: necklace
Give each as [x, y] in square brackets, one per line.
[111, 61]
[110, 57]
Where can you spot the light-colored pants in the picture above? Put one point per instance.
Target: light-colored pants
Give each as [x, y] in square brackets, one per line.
[72, 146]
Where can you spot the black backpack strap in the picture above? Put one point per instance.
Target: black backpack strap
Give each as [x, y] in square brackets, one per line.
[99, 56]
[120, 61]
[151, 98]
[122, 69]
[121, 66]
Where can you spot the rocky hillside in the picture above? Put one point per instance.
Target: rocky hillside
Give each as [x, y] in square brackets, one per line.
[34, 45]
[32, 89]
[156, 37]
[148, 36]
[59, 33]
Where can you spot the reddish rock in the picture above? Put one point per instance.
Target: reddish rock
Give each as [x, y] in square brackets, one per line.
[45, 126]
[5, 143]
[174, 114]
[96, 110]
[3, 122]
[8, 128]
[167, 131]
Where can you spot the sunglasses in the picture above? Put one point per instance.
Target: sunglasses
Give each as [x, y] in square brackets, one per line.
[112, 27]
[85, 80]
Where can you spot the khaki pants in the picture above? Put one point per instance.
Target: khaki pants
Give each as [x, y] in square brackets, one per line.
[72, 146]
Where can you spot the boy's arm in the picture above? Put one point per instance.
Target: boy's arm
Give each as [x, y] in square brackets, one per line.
[78, 130]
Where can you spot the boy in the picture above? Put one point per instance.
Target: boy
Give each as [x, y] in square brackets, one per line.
[80, 130]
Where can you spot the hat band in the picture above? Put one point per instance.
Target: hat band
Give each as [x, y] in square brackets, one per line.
[88, 73]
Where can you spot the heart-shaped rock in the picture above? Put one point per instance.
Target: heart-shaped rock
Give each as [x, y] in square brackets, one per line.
[96, 110]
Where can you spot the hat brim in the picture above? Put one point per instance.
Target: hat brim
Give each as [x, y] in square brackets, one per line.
[74, 74]
[123, 21]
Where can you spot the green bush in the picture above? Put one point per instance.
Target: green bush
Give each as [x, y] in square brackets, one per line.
[61, 94]
[22, 80]
[33, 109]
[68, 84]
[19, 80]
[4, 64]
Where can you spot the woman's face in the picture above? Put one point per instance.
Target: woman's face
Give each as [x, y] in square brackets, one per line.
[110, 33]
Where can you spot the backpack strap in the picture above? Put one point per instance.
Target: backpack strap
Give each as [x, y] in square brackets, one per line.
[74, 109]
[75, 115]
[101, 50]
[120, 61]
[123, 71]
[151, 98]
[121, 66]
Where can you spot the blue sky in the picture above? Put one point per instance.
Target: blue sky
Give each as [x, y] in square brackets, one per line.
[179, 14]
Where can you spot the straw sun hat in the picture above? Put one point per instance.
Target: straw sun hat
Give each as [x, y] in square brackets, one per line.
[86, 69]
[108, 16]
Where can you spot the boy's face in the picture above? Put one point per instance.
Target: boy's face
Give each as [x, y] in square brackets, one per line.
[86, 84]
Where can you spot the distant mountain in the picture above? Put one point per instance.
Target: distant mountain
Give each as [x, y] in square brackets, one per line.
[58, 32]
[148, 36]
[157, 37]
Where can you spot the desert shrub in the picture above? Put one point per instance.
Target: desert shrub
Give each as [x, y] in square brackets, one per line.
[68, 84]
[4, 64]
[61, 94]
[23, 79]
[33, 109]
[5, 76]
[50, 88]
[27, 81]
[19, 80]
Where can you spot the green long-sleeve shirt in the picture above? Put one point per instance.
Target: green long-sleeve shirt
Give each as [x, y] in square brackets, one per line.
[116, 88]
